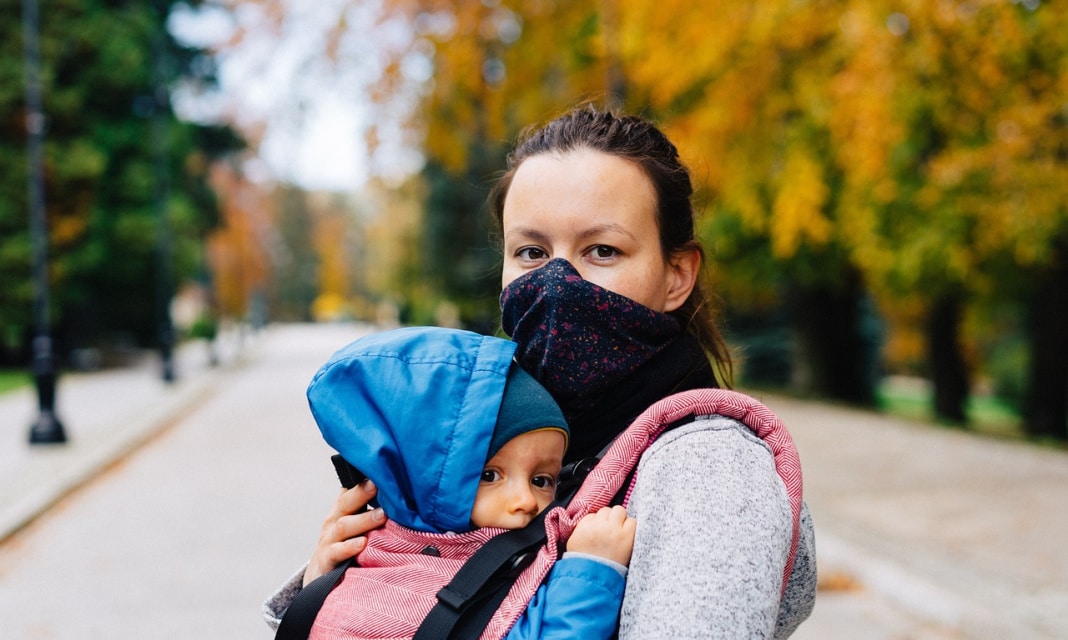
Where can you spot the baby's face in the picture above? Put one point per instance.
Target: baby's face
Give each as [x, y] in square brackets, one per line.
[519, 481]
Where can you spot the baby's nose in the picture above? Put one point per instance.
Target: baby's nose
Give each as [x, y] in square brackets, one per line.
[523, 500]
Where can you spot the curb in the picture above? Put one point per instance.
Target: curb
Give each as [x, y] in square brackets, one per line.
[52, 472]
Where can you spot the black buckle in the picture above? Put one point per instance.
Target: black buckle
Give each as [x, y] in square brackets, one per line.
[572, 476]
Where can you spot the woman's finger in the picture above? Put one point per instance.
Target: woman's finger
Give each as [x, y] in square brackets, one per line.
[351, 526]
[342, 551]
[353, 500]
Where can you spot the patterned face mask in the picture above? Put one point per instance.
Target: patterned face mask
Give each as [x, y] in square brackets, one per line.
[577, 338]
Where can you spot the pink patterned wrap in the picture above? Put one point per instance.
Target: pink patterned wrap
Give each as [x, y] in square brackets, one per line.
[605, 479]
[394, 588]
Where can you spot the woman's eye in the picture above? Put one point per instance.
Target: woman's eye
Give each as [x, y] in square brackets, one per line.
[531, 253]
[489, 475]
[603, 251]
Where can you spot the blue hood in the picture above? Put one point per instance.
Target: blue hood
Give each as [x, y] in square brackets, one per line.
[414, 409]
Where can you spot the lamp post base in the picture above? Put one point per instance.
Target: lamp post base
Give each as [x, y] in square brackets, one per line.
[47, 429]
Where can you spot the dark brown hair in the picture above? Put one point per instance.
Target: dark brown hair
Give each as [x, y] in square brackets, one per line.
[641, 142]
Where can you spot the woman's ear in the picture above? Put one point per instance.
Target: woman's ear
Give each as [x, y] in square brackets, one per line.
[683, 267]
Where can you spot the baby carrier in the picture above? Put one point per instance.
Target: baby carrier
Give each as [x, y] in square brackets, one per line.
[491, 590]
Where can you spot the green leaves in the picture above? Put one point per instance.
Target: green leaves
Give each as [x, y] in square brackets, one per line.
[103, 172]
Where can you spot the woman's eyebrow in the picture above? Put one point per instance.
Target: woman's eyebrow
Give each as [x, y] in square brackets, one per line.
[608, 227]
[534, 235]
[528, 234]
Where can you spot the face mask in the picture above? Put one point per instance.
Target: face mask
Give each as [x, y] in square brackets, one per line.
[575, 337]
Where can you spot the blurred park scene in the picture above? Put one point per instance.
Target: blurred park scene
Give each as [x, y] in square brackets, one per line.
[883, 185]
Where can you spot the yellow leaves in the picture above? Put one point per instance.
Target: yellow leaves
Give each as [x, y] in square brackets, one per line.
[240, 263]
[671, 45]
[330, 307]
[810, 123]
[744, 200]
[904, 318]
[862, 122]
[329, 235]
[857, 227]
[446, 147]
[797, 213]
[1026, 209]
[67, 230]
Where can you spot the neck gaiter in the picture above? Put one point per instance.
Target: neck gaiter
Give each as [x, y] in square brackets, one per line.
[577, 338]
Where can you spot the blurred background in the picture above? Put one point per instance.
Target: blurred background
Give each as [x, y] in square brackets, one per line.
[883, 185]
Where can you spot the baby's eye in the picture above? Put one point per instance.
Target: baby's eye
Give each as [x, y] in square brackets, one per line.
[543, 482]
[490, 475]
[531, 253]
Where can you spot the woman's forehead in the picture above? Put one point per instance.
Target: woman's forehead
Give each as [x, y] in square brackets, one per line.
[594, 186]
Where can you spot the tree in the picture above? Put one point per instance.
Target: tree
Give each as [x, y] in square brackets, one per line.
[749, 107]
[496, 68]
[100, 168]
[922, 143]
[911, 153]
[242, 251]
[970, 208]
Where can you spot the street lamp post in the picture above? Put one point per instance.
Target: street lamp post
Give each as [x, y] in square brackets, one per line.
[46, 429]
[164, 277]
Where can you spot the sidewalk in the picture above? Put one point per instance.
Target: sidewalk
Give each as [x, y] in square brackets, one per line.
[962, 531]
[921, 532]
[105, 414]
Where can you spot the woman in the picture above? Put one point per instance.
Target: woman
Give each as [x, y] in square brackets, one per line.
[601, 294]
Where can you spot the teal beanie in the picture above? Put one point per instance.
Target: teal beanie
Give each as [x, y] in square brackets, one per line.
[525, 406]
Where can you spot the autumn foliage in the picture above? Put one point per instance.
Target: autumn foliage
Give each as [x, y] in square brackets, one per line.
[909, 157]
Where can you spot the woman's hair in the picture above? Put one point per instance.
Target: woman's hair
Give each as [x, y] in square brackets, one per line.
[641, 142]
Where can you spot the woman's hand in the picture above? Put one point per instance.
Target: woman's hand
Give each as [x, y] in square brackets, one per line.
[342, 536]
[609, 533]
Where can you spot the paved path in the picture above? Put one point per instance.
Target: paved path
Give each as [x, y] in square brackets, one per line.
[104, 414]
[962, 533]
[210, 492]
[187, 535]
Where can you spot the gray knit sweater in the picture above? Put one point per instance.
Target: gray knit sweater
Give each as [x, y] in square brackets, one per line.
[714, 528]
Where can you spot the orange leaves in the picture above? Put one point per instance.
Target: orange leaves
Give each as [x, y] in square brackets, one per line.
[670, 47]
[995, 95]
[847, 123]
[239, 260]
[331, 237]
[797, 213]
[862, 122]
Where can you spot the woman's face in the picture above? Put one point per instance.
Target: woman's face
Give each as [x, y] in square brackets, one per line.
[598, 212]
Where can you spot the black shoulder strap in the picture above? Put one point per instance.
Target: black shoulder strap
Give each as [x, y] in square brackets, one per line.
[300, 616]
[467, 603]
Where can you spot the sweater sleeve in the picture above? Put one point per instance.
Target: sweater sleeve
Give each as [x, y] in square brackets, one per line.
[275, 606]
[714, 532]
[580, 599]
[800, 597]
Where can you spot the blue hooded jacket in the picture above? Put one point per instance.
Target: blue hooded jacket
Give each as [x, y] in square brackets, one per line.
[414, 409]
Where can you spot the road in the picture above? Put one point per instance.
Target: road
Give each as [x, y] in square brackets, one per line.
[184, 536]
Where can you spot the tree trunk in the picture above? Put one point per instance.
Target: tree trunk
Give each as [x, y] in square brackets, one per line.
[835, 355]
[949, 372]
[1046, 411]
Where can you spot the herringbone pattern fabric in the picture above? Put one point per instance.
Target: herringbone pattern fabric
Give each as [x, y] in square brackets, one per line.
[604, 481]
[389, 594]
